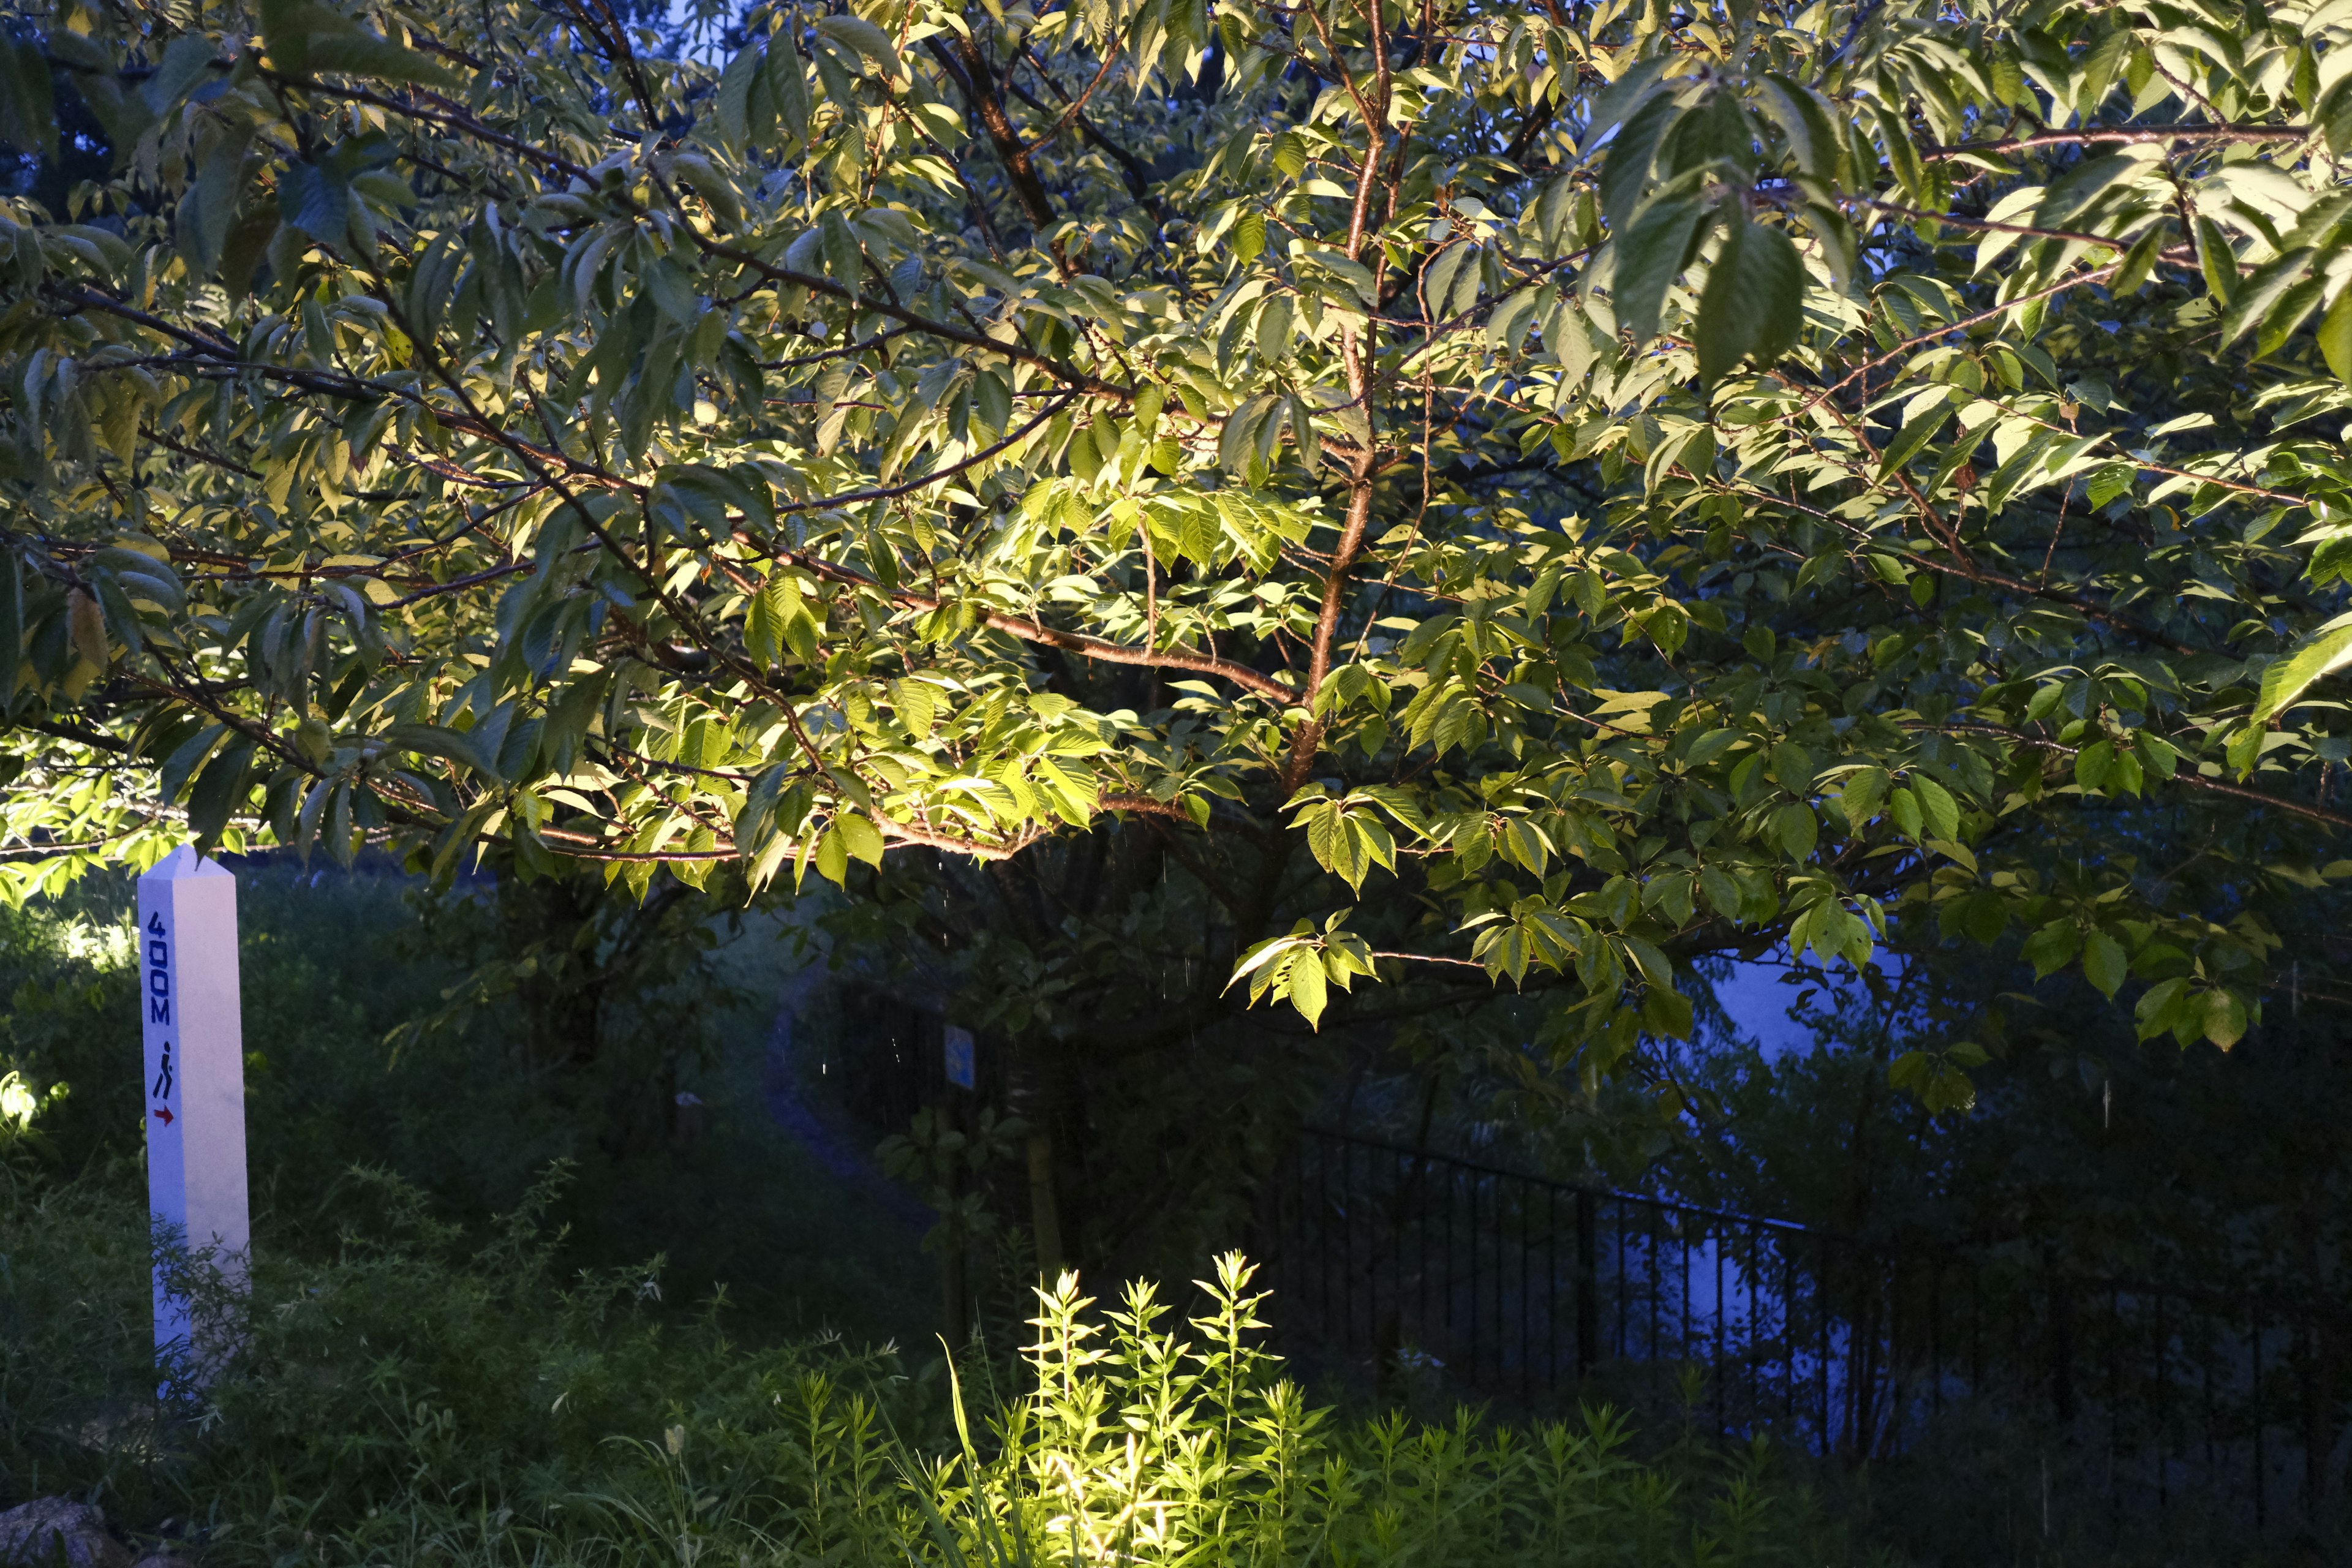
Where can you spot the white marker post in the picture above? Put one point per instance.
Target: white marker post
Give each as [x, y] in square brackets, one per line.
[188, 1003]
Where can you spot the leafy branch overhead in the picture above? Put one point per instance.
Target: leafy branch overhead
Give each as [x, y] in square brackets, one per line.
[1621, 483]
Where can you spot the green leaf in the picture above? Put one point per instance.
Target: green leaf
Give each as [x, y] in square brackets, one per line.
[1722, 892]
[1249, 235]
[2091, 764]
[734, 100]
[1666, 1012]
[218, 793]
[860, 838]
[2115, 480]
[29, 117]
[1797, 829]
[1753, 303]
[2051, 947]
[1914, 437]
[2334, 115]
[568, 718]
[1237, 442]
[1265, 953]
[833, 854]
[1508, 324]
[1813, 137]
[2155, 755]
[86, 629]
[1649, 256]
[2071, 191]
[304, 38]
[363, 54]
[433, 740]
[315, 200]
[865, 38]
[185, 61]
[2269, 283]
[1437, 285]
[1274, 343]
[12, 627]
[2104, 964]
[2336, 336]
[2099, 68]
[1902, 156]
[1793, 768]
[1625, 172]
[789, 85]
[1629, 94]
[1934, 1079]
[2154, 1015]
[1864, 789]
[844, 256]
[1904, 806]
[1307, 991]
[2139, 262]
[2324, 653]
[1936, 803]
[918, 705]
[2225, 1017]
[2216, 260]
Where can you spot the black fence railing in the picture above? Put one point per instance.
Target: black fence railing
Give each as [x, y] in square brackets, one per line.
[1395, 1263]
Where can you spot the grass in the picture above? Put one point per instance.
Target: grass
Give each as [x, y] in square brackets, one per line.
[420, 1398]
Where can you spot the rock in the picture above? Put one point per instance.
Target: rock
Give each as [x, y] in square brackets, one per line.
[49, 1531]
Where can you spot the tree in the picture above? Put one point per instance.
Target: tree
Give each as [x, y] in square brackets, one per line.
[1651, 481]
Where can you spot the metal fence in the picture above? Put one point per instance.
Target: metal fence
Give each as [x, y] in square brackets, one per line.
[1397, 1263]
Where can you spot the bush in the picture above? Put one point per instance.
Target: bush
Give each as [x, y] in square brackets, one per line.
[416, 1398]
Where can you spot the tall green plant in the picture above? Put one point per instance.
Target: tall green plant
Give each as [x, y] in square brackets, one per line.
[1139, 1442]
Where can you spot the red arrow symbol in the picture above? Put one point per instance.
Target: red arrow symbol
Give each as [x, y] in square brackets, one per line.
[164, 1116]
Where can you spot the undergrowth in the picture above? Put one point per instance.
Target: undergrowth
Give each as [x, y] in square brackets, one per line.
[333, 964]
[419, 1398]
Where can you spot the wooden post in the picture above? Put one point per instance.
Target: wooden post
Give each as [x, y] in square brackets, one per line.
[188, 1005]
[1588, 1284]
[1044, 1213]
[959, 1059]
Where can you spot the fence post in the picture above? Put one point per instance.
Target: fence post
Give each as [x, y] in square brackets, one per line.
[2262, 1419]
[1821, 1364]
[1588, 1284]
[2309, 1378]
[2062, 1351]
[955, 1282]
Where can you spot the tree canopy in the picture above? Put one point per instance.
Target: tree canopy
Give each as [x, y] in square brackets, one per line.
[1618, 482]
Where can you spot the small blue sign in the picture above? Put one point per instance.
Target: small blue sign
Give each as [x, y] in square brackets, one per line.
[960, 1057]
